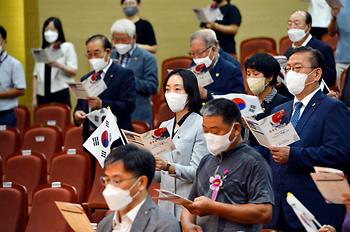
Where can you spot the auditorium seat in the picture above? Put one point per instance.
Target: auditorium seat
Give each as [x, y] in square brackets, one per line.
[9, 142]
[140, 126]
[163, 114]
[73, 138]
[254, 45]
[73, 169]
[53, 114]
[174, 63]
[23, 118]
[13, 207]
[46, 140]
[45, 216]
[96, 205]
[27, 169]
[284, 44]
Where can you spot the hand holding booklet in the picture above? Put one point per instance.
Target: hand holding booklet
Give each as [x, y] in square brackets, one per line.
[46, 55]
[272, 131]
[157, 141]
[331, 183]
[87, 88]
[334, 3]
[208, 14]
[172, 197]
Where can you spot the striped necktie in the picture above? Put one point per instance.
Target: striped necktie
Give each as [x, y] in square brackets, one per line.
[295, 117]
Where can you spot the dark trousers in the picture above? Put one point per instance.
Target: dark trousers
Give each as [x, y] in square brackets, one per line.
[8, 118]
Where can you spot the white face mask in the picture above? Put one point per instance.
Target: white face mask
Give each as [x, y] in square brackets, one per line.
[117, 198]
[206, 60]
[256, 85]
[218, 143]
[51, 36]
[98, 63]
[176, 101]
[123, 48]
[296, 35]
[296, 81]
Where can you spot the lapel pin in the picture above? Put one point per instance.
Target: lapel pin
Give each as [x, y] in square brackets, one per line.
[217, 74]
[314, 104]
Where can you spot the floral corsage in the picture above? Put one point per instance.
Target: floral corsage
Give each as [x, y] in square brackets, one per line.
[216, 183]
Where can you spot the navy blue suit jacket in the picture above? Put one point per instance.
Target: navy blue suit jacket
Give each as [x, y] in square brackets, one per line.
[119, 96]
[227, 78]
[329, 75]
[324, 131]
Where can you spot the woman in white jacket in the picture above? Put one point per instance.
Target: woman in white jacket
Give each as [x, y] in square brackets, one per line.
[177, 169]
[50, 80]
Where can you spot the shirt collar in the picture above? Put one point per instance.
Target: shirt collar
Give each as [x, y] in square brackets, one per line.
[131, 215]
[304, 43]
[3, 55]
[270, 96]
[306, 99]
[132, 49]
[108, 65]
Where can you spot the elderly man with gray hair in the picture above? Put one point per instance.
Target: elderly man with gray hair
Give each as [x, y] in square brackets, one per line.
[141, 62]
[227, 76]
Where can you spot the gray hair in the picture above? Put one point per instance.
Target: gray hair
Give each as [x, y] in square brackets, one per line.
[207, 35]
[225, 108]
[124, 26]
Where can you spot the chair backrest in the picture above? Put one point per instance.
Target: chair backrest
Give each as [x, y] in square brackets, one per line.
[9, 142]
[96, 205]
[254, 45]
[174, 63]
[140, 126]
[72, 169]
[163, 114]
[73, 138]
[331, 41]
[285, 43]
[52, 114]
[46, 140]
[23, 118]
[13, 207]
[45, 216]
[28, 170]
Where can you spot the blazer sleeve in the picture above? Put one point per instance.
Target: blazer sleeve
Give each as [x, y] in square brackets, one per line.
[148, 83]
[329, 71]
[334, 152]
[126, 103]
[235, 83]
[188, 172]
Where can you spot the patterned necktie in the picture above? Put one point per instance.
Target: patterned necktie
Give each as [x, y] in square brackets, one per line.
[295, 117]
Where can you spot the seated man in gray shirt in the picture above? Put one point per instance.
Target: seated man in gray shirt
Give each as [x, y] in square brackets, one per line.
[232, 190]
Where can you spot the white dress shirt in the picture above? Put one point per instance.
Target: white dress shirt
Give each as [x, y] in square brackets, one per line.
[127, 220]
[305, 101]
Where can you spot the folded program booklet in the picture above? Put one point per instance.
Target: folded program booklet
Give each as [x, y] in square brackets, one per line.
[75, 216]
[208, 14]
[172, 197]
[332, 183]
[157, 141]
[46, 55]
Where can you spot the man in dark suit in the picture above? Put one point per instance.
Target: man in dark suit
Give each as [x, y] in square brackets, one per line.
[227, 76]
[129, 171]
[323, 125]
[143, 64]
[120, 82]
[299, 27]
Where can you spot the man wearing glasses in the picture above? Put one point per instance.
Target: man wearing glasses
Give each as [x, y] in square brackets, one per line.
[323, 125]
[227, 77]
[129, 171]
[119, 94]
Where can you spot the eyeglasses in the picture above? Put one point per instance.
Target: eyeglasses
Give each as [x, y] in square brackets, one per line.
[296, 68]
[194, 54]
[115, 182]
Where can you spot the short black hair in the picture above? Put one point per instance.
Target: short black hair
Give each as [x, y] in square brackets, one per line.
[3, 32]
[308, 18]
[222, 107]
[122, 2]
[266, 64]
[136, 160]
[316, 59]
[106, 43]
[58, 25]
[190, 86]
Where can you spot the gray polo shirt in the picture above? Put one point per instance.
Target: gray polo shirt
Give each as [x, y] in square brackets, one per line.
[248, 180]
[11, 76]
